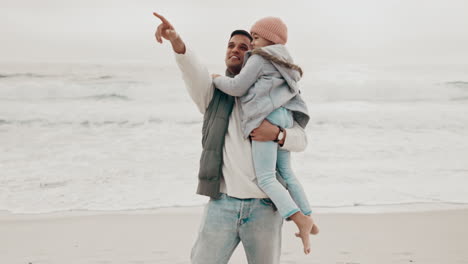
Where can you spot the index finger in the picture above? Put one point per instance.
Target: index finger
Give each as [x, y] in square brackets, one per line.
[163, 19]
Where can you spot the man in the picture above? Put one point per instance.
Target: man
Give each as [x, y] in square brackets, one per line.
[238, 209]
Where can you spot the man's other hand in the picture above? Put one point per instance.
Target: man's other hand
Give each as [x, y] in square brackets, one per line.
[266, 132]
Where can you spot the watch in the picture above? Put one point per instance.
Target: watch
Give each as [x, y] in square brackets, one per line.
[280, 135]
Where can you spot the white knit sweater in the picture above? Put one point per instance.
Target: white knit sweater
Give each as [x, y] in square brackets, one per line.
[238, 170]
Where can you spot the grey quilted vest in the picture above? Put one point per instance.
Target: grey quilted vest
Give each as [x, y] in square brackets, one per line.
[215, 125]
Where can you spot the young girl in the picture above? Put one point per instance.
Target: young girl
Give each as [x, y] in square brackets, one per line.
[266, 88]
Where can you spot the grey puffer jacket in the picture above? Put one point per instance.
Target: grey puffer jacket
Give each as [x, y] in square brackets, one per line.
[263, 86]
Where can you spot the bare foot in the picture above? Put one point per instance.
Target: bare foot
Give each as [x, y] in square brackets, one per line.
[315, 230]
[305, 225]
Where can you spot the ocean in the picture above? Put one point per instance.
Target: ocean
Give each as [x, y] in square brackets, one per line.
[128, 137]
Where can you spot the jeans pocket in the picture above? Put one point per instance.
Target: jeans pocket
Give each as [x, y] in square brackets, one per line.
[268, 202]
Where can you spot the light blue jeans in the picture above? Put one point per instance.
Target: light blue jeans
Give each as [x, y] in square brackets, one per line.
[267, 158]
[228, 221]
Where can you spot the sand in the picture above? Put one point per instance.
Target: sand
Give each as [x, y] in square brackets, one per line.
[166, 236]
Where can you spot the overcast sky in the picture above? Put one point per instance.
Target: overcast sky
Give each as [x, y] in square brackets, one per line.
[348, 31]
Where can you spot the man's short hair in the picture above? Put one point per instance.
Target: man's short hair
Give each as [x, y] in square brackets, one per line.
[241, 32]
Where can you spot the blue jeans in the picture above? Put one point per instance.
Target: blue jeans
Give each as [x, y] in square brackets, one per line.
[268, 158]
[229, 220]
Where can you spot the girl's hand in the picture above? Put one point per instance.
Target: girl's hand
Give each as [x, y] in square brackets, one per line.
[214, 75]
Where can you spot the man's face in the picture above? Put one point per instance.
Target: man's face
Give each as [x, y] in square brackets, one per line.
[236, 49]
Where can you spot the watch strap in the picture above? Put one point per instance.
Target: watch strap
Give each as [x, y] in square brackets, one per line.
[281, 131]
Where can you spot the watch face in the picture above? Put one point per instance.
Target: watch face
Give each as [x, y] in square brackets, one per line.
[280, 135]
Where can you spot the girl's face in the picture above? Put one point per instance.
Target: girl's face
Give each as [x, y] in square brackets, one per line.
[259, 42]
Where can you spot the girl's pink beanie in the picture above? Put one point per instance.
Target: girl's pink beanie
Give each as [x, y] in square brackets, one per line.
[272, 29]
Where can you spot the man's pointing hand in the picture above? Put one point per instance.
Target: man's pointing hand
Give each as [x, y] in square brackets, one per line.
[165, 30]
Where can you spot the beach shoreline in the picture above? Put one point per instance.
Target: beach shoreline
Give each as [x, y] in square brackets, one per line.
[356, 209]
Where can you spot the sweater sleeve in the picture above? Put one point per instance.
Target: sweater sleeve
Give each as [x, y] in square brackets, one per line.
[197, 79]
[240, 84]
[296, 139]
